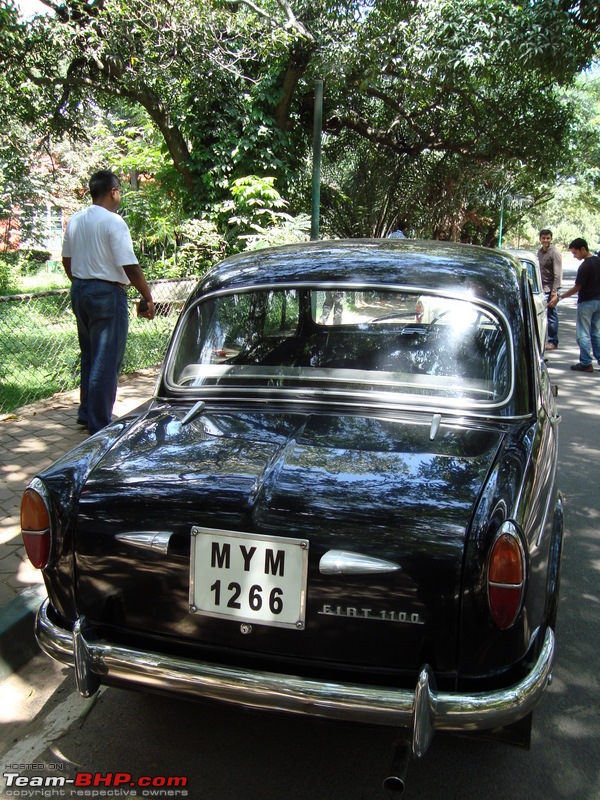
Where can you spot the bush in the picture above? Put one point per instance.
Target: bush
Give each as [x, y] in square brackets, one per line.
[290, 231]
[30, 261]
[14, 263]
[8, 269]
[199, 247]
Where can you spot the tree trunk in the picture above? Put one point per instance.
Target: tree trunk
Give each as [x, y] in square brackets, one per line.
[174, 139]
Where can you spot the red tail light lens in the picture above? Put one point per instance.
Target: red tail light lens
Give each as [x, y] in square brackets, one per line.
[36, 526]
[506, 577]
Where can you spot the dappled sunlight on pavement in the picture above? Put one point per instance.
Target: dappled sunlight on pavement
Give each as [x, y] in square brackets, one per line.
[31, 438]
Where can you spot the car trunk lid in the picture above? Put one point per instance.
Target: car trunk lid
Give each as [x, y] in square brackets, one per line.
[372, 511]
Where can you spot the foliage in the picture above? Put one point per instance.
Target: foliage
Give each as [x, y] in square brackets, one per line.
[32, 259]
[461, 109]
[201, 246]
[571, 207]
[448, 104]
[8, 262]
[255, 205]
[14, 265]
[368, 194]
[291, 230]
[189, 251]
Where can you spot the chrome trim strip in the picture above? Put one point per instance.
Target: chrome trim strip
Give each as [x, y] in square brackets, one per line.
[339, 398]
[354, 286]
[422, 710]
[551, 498]
[43, 532]
[304, 398]
[436, 421]
[158, 541]
[343, 562]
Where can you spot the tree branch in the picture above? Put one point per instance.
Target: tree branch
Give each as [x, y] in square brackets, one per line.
[291, 21]
[389, 139]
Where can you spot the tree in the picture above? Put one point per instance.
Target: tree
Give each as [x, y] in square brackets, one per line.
[461, 106]
[451, 94]
[571, 205]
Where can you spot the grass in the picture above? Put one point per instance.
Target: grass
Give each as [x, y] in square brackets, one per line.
[18, 275]
[40, 352]
[41, 282]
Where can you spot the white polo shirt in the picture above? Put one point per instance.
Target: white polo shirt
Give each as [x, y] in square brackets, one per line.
[99, 245]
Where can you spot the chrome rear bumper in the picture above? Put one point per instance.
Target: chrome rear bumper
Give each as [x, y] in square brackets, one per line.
[421, 711]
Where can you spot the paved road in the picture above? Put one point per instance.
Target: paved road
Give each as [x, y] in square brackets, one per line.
[230, 755]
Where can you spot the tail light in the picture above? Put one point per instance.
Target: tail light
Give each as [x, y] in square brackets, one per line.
[36, 526]
[506, 576]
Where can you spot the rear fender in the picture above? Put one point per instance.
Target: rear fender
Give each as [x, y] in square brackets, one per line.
[484, 650]
[65, 480]
[554, 563]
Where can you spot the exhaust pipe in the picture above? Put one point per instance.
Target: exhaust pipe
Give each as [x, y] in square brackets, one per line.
[395, 783]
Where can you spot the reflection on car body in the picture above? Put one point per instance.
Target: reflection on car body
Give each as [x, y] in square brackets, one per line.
[352, 515]
[429, 308]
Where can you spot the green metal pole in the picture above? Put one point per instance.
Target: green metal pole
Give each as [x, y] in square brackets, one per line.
[316, 172]
[501, 224]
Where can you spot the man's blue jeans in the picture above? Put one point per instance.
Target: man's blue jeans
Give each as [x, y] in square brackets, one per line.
[588, 330]
[552, 316]
[100, 308]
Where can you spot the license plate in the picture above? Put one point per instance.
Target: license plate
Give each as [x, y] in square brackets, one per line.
[255, 579]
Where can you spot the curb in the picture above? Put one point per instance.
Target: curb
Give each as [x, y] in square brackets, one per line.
[17, 641]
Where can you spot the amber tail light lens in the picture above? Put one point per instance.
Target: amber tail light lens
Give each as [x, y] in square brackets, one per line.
[36, 527]
[506, 577]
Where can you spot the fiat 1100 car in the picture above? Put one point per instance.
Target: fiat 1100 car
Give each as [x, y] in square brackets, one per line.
[328, 507]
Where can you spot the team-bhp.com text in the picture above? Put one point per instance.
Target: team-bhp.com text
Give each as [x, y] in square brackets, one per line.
[94, 784]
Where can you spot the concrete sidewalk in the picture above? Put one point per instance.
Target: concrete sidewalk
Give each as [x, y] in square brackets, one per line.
[31, 438]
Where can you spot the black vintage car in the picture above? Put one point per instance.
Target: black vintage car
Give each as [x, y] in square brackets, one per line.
[330, 507]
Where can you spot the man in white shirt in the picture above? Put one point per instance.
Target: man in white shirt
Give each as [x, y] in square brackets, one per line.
[98, 257]
[400, 232]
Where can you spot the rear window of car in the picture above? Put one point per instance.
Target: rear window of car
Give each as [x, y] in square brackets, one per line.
[332, 340]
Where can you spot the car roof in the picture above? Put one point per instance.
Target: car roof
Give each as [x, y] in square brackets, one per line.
[493, 277]
[529, 255]
[447, 268]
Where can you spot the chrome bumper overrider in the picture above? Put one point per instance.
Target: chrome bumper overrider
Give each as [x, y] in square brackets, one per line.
[422, 711]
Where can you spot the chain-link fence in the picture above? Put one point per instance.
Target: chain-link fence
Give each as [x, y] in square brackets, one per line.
[40, 353]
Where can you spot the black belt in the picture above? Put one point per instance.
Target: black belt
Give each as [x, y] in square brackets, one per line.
[102, 280]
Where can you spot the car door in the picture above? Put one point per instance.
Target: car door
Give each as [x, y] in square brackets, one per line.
[535, 279]
[540, 498]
